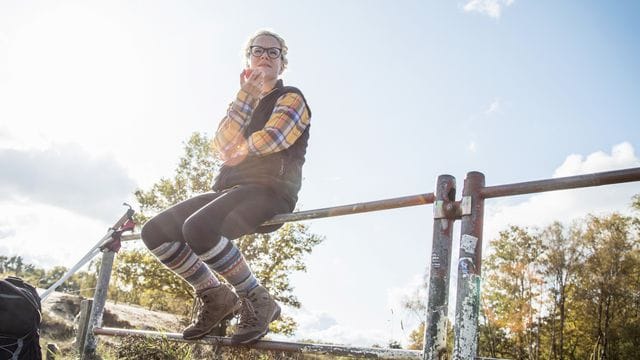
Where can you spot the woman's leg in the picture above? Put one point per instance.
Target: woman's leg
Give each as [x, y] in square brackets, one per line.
[163, 236]
[239, 211]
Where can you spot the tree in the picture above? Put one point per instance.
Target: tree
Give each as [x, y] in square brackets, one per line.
[635, 204]
[193, 175]
[416, 306]
[416, 338]
[14, 265]
[272, 256]
[56, 273]
[139, 278]
[512, 289]
[591, 275]
[607, 288]
[560, 262]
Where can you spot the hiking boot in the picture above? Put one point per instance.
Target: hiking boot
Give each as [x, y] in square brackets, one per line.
[258, 310]
[215, 304]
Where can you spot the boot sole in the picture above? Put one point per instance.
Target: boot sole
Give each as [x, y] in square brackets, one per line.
[253, 339]
[231, 312]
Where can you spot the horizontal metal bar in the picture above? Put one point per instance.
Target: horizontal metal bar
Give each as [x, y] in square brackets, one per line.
[325, 349]
[529, 187]
[394, 203]
[406, 201]
[569, 182]
[130, 237]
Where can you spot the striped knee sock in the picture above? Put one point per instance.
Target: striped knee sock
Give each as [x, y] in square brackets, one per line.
[180, 259]
[225, 259]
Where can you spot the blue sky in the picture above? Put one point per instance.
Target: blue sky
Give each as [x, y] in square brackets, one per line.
[96, 99]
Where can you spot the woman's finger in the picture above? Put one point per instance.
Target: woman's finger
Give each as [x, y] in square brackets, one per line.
[242, 78]
[256, 75]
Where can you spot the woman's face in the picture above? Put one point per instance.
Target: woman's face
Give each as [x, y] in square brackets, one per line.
[269, 66]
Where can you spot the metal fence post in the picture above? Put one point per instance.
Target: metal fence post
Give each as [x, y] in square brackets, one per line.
[83, 323]
[444, 209]
[465, 345]
[99, 299]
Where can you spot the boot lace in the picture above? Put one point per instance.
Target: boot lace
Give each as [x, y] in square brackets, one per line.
[248, 316]
[203, 310]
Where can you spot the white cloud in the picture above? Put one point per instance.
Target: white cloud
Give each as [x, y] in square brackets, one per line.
[492, 8]
[493, 107]
[4, 44]
[5, 134]
[56, 203]
[339, 334]
[313, 321]
[65, 176]
[622, 156]
[567, 205]
[472, 146]
[396, 296]
[404, 320]
[321, 326]
[45, 235]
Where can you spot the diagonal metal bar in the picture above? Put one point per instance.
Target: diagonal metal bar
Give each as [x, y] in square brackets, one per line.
[95, 250]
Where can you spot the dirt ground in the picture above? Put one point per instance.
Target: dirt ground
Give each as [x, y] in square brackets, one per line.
[60, 314]
[65, 307]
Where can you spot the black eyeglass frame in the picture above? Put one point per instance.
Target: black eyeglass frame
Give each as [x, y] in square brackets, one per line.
[262, 50]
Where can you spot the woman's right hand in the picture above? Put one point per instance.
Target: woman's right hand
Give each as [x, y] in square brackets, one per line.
[251, 81]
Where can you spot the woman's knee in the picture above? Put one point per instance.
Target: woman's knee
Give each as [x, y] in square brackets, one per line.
[152, 234]
[199, 234]
[235, 226]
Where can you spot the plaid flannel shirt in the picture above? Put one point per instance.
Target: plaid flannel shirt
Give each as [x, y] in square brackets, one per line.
[287, 122]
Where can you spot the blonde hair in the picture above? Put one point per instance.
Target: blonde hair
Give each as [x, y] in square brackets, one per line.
[283, 46]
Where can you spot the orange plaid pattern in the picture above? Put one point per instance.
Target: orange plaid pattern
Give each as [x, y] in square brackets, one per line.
[289, 119]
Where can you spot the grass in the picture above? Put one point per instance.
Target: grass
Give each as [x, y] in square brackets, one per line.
[138, 347]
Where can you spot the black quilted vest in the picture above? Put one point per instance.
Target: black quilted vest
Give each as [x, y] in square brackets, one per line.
[282, 171]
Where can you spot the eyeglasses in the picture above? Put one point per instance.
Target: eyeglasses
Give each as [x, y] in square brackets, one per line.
[272, 52]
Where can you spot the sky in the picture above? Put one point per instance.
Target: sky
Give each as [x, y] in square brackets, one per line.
[98, 97]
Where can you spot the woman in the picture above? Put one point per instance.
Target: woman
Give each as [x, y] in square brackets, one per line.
[262, 141]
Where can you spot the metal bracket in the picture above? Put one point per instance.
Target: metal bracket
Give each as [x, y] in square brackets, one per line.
[438, 210]
[443, 209]
[466, 205]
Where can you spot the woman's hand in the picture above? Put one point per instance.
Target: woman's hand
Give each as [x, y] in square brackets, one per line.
[251, 81]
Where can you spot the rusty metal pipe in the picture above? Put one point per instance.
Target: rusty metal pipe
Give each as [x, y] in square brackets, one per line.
[435, 334]
[405, 201]
[569, 182]
[325, 349]
[466, 334]
[393, 203]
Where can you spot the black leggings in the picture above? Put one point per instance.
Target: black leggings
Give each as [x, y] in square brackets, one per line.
[201, 220]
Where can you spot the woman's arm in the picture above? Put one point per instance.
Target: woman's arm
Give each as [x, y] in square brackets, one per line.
[229, 135]
[287, 122]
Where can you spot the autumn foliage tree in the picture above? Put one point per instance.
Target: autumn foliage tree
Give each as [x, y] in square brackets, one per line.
[561, 292]
[564, 293]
